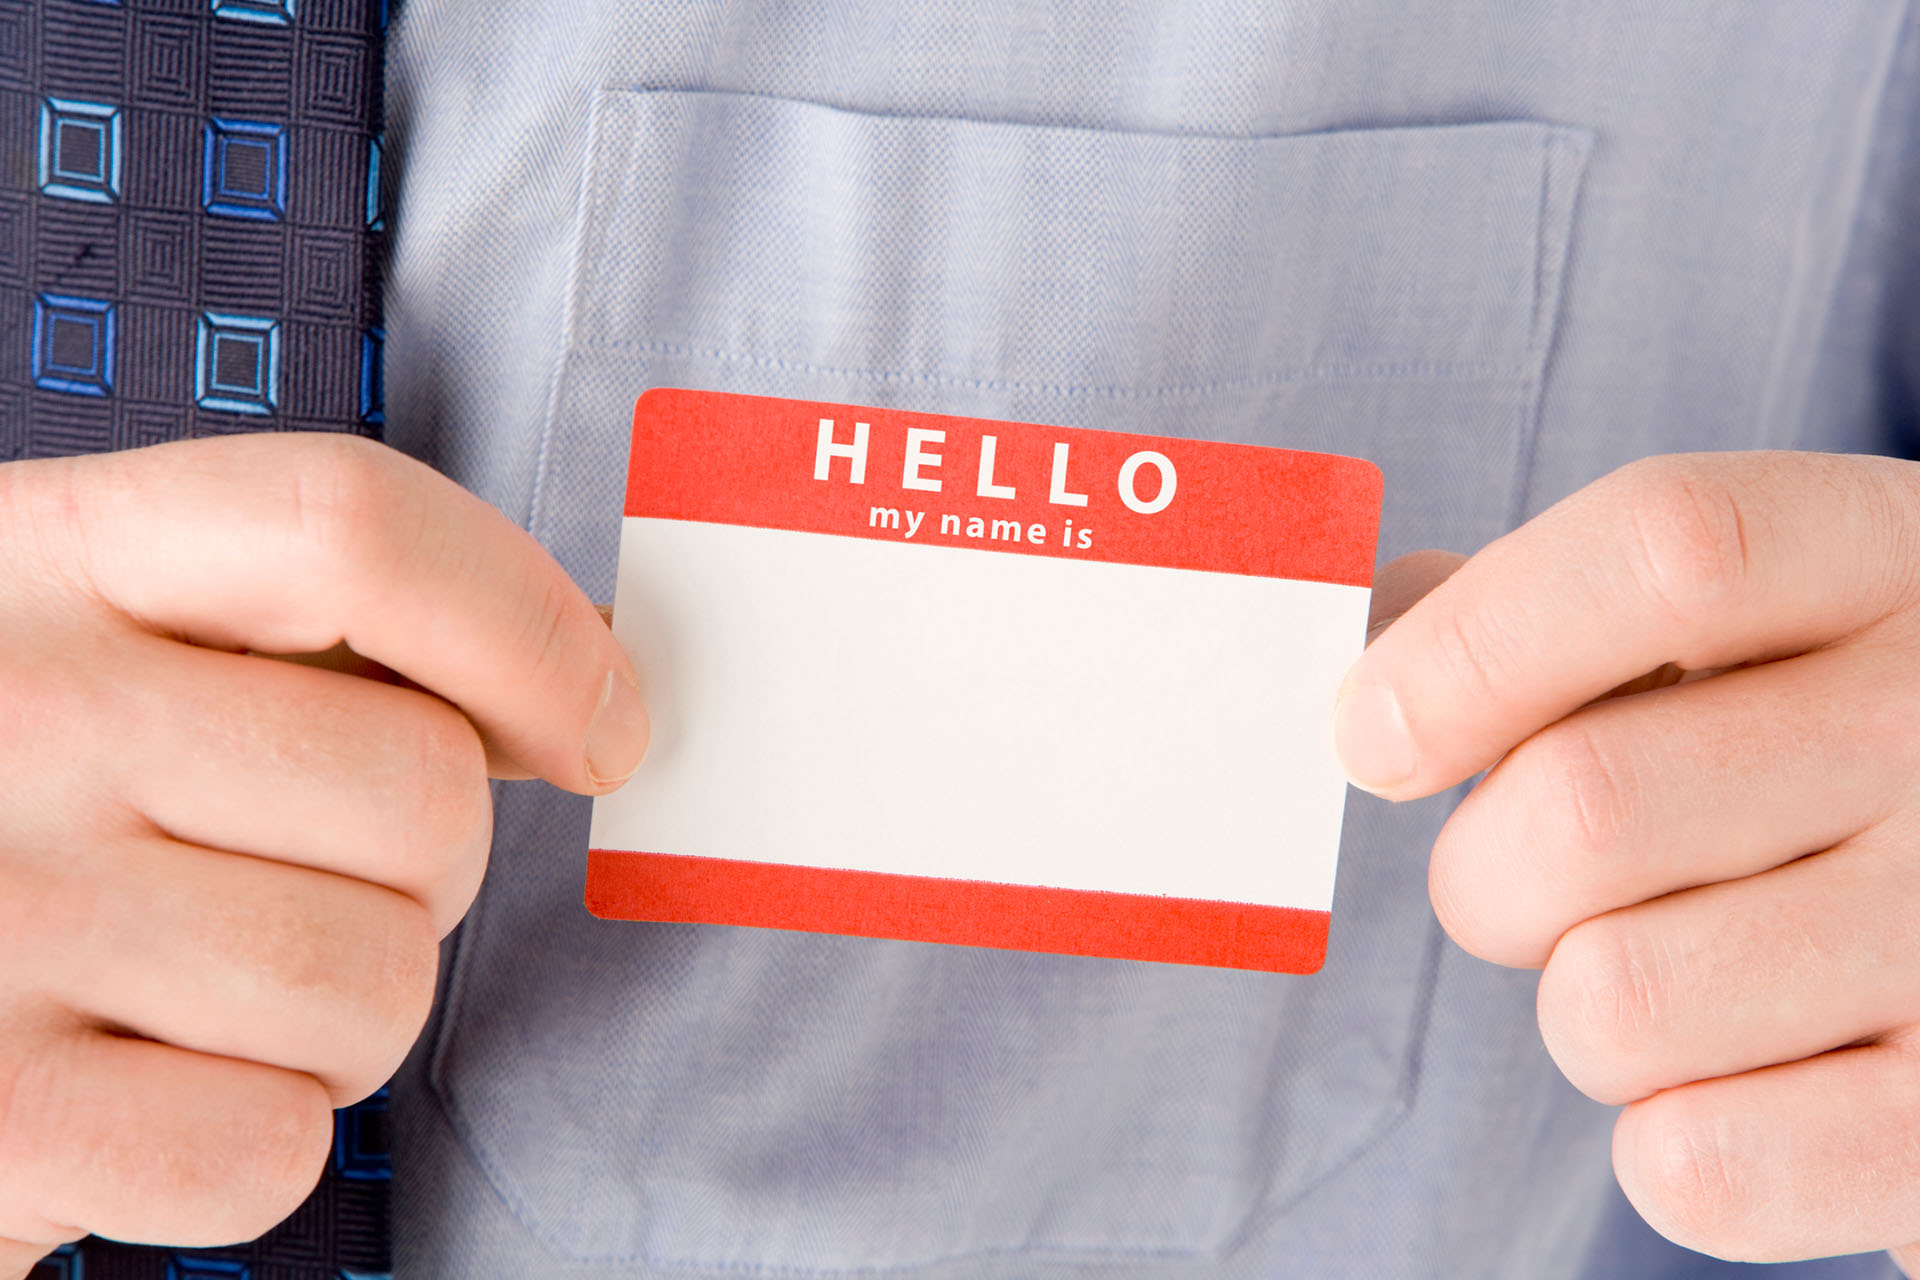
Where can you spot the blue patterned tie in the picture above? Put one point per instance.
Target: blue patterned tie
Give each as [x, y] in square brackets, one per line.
[191, 219]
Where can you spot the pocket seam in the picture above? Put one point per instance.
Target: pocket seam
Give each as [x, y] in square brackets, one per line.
[1278, 377]
[1552, 240]
[1392, 1113]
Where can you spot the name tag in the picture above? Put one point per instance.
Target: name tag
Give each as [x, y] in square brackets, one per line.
[984, 683]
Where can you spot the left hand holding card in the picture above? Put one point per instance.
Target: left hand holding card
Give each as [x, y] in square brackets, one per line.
[224, 879]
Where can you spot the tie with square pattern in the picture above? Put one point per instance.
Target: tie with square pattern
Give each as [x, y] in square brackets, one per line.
[191, 220]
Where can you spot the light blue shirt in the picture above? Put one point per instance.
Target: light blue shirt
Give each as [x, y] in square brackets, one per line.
[1498, 247]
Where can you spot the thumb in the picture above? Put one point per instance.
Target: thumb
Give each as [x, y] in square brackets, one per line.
[1400, 584]
[1907, 1258]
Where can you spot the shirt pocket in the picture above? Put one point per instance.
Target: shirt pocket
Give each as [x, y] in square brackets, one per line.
[684, 1096]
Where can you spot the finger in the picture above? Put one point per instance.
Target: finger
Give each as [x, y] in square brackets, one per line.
[1736, 976]
[1400, 584]
[304, 766]
[1798, 1161]
[344, 660]
[1907, 1258]
[1701, 561]
[1637, 797]
[17, 1258]
[149, 1143]
[503, 766]
[294, 544]
[236, 956]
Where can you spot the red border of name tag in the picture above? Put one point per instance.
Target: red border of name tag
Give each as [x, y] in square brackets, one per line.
[968, 913]
[750, 460]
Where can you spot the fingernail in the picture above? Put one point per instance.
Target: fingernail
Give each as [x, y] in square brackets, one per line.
[1370, 733]
[617, 738]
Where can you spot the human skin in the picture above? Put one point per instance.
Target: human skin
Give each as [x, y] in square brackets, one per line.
[223, 878]
[1695, 686]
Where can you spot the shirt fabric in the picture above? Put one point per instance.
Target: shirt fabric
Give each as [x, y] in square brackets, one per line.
[1498, 248]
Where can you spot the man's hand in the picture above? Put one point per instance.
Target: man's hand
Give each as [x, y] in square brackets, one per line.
[223, 877]
[1718, 869]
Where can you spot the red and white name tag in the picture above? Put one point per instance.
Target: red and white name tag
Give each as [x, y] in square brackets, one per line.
[985, 683]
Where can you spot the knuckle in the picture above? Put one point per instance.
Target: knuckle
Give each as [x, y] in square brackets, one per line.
[25, 1077]
[1594, 816]
[382, 995]
[1475, 658]
[1686, 532]
[291, 942]
[1487, 892]
[1451, 887]
[1517, 863]
[1600, 1009]
[146, 1176]
[41, 512]
[278, 1151]
[1457, 882]
[550, 638]
[1892, 519]
[342, 508]
[445, 847]
[65, 688]
[357, 975]
[37, 904]
[406, 964]
[1691, 1185]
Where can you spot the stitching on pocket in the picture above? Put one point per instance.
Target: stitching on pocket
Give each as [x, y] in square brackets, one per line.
[538, 1225]
[1279, 377]
[1386, 1109]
